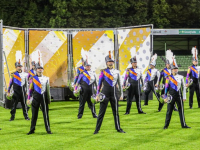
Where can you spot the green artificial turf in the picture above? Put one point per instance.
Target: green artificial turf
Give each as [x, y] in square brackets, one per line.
[143, 131]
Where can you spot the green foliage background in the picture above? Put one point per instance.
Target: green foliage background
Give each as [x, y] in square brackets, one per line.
[100, 13]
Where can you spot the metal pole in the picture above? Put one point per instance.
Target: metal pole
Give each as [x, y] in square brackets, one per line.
[152, 37]
[71, 55]
[27, 50]
[151, 48]
[2, 61]
[130, 27]
[165, 48]
[116, 49]
[25, 58]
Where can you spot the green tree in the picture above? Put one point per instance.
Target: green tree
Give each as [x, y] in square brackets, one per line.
[159, 13]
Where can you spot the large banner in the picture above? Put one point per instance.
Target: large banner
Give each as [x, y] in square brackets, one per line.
[97, 43]
[138, 39]
[53, 46]
[13, 40]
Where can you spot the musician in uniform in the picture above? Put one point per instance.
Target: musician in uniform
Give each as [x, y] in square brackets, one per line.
[110, 78]
[151, 81]
[173, 85]
[166, 72]
[39, 95]
[19, 84]
[87, 82]
[193, 73]
[134, 76]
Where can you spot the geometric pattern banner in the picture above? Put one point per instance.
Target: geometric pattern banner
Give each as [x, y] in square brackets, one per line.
[53, 47]
[13, 40]
[97, 43]
[130, 39]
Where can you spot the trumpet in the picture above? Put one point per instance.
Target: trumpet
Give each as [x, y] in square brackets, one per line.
[93, 98]
[144, 88]
[11, 94]
[159, 87]
[77, 92]
[189, 84]
[127, 87]
[169, 98]
[101, 97]
[71, 86]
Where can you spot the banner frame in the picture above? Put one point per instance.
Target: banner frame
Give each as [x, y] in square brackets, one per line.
[2, 98]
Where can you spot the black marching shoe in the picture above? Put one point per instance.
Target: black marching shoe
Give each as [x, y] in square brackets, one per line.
[96, 132]
[30, 132]
[27, 118]
[95, 116]
[121, 131]
[126, 113]
[79, 117]
[165, 127]
[141, 112]
[11, 119]
[49, 132]
[186, 127]
[175, 109]
[190, 107]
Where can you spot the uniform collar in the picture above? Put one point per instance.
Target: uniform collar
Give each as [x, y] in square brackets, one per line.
[40, 76]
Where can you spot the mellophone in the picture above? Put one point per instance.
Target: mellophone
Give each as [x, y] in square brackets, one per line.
[102, 96]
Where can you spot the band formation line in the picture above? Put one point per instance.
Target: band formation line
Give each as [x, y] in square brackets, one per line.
[32, 89]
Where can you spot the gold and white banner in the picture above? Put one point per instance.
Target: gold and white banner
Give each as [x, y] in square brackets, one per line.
[138, 38]
[53, 46]
[97, 43]
[13, 40]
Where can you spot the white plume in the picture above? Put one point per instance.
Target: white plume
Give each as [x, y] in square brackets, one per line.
[38, 57]
[133, 52]
[35, 56]
[18, 56]
[84, 54]
[194, 52]
[154, 57]
[169, 56]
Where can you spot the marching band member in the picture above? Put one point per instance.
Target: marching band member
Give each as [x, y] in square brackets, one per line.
[87, 81]
[19, 83]
[173, 86]
[110, 78]
[152, 80]
[134, 75]
[166, 72]
[193, 73]
[39, 90]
